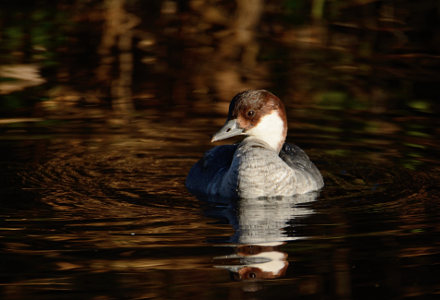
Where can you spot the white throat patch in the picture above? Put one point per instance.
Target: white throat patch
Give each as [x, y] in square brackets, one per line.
[269, 129]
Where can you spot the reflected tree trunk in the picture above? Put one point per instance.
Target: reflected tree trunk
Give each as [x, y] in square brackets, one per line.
[248, 16]
[118, 33]
[318, 10]
[240, 44]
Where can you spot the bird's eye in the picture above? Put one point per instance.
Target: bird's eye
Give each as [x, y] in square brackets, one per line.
[250, 113]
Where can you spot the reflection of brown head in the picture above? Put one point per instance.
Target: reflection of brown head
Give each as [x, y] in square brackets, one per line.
[253, 273]
[273, 263]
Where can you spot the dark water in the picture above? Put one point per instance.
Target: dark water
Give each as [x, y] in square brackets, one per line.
[93, 203]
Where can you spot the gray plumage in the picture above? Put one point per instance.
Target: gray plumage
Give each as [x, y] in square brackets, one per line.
[253, 169]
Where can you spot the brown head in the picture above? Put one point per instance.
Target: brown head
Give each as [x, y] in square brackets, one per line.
[256, 113]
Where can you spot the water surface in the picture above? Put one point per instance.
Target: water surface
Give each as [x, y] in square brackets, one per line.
[96, 140]
[86, 208]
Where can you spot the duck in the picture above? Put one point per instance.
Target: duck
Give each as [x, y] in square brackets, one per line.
[262, 164]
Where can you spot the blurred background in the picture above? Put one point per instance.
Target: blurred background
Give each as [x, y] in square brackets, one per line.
[360, 54]
[105, 105]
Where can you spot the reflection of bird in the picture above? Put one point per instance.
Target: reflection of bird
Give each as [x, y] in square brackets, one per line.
[262, 164]
[248, 264]
[259, 232]
[262, 221]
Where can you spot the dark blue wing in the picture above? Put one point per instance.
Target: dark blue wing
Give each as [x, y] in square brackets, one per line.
[214, 164]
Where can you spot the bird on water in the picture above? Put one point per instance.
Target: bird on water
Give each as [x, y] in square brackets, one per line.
[262, 164]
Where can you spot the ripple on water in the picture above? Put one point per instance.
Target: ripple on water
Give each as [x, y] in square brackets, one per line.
[119, 206]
